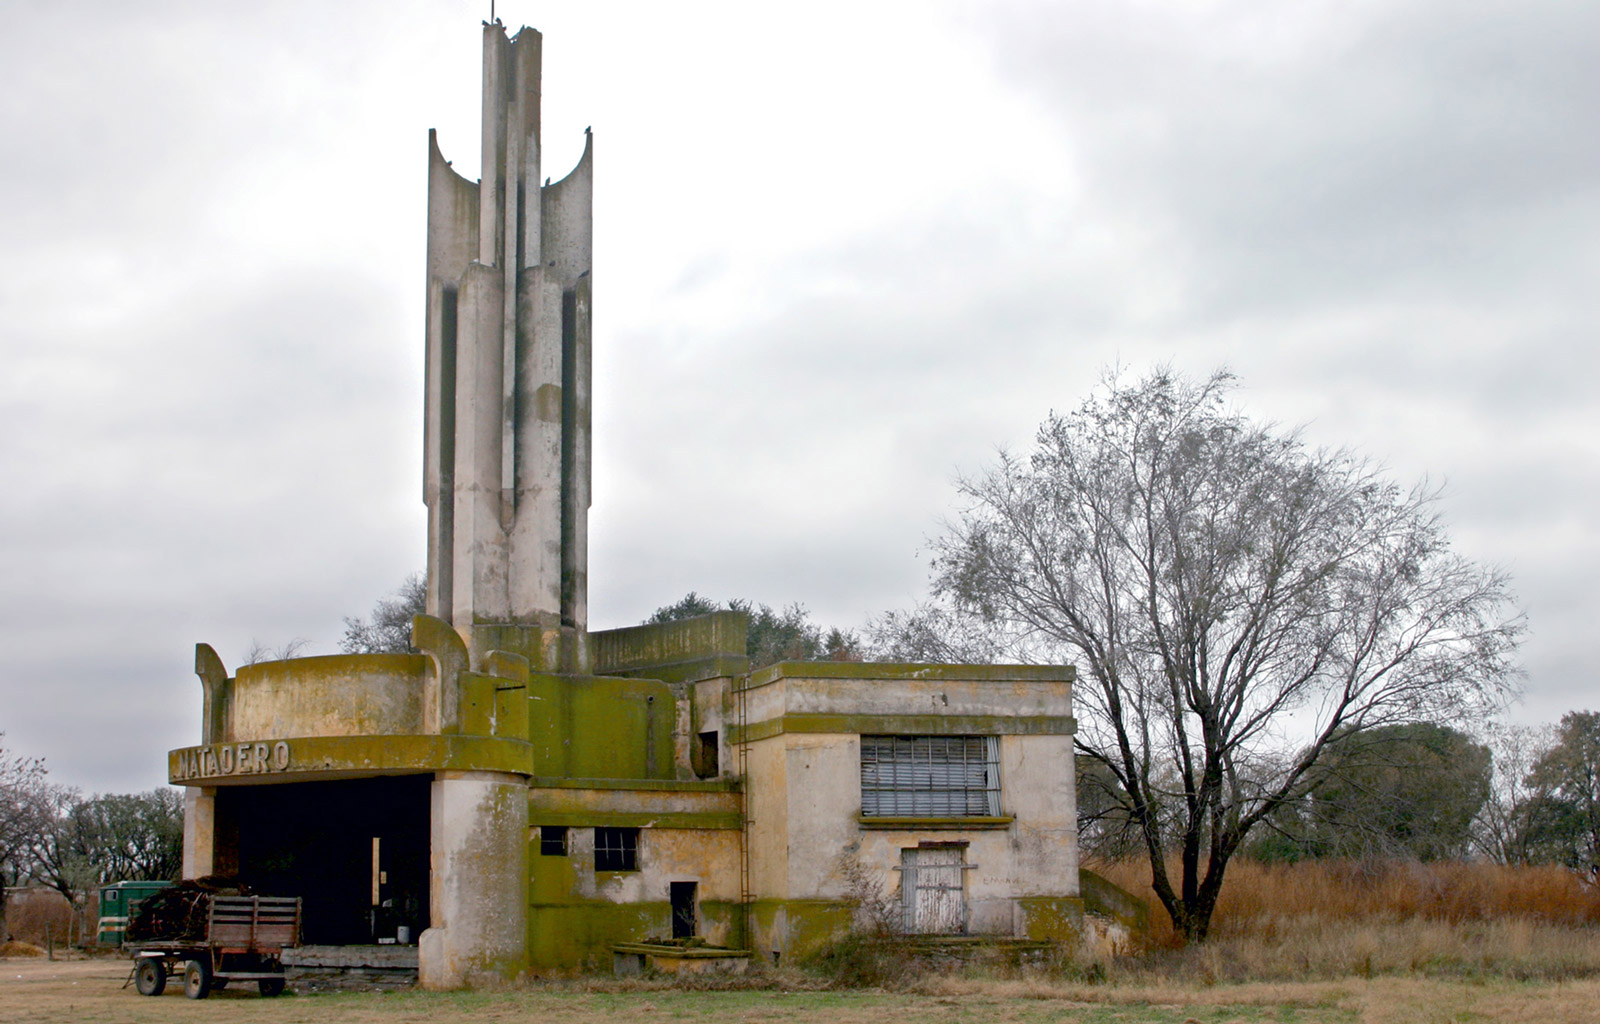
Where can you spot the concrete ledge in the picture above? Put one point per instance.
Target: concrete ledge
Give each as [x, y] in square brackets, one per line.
[388, 957]
[909, 670]
[907, 725]
[638, 785]
[904, 823]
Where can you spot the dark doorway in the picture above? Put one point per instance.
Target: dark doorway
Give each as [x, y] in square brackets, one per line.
[684, 919]
[356, 851]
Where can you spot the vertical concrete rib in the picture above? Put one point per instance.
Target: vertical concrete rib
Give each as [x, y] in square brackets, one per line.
[481, 555]
[577, 457]
[568, 244]
[452, 244]
[509, 265]
[492, 185]
[536, 538]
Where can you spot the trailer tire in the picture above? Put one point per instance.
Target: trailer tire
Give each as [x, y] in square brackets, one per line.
[270, 986]
[197, 979]
[150, 976]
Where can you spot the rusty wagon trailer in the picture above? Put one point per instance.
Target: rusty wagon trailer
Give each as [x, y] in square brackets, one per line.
[244, 940]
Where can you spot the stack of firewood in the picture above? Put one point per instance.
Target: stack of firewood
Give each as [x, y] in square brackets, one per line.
[180, 912]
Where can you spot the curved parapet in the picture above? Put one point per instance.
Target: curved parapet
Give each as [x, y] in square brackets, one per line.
[214, 683]
[333, 695]
[447, 662]
[567, 244]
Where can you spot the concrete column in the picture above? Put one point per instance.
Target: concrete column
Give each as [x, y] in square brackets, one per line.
[199, 831]
[479, 904]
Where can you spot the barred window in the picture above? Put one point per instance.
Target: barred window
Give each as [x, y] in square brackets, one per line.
[616, 849]
[930, 776]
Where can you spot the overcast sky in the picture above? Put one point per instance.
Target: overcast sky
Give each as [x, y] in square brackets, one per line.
[843, 252]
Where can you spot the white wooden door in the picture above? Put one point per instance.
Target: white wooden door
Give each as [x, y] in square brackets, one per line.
[932, 890]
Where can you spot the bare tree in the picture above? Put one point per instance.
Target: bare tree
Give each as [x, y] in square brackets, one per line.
[389, 629]
[260, 652]
[1237, 603]
[1504, 830]
[24, 814]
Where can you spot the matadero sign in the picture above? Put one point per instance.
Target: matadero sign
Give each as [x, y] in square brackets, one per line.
[222, 759]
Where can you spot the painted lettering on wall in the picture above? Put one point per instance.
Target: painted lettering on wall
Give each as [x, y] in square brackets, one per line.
[230, 759]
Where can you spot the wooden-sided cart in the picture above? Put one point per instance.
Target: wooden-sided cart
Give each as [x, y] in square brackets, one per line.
[244, 941]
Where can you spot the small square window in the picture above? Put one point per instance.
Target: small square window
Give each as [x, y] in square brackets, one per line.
[616, 849]
[552, 840]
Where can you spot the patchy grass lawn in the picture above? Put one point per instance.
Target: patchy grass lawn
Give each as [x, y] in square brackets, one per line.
[34, 990]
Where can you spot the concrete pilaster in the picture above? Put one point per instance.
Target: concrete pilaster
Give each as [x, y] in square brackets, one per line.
[479, 906]
[199, 831]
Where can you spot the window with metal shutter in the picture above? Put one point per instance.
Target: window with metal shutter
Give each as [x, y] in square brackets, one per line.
[930, 776]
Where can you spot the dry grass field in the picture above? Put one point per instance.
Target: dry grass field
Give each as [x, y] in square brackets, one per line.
[1308, 944]
[36, 990]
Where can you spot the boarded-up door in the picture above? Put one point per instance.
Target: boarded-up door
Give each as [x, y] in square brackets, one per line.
[931, 887]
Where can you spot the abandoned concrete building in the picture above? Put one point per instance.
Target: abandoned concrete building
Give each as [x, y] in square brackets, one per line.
[524, 794]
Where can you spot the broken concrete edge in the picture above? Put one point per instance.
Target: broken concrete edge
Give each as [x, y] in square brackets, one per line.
[1106, 898]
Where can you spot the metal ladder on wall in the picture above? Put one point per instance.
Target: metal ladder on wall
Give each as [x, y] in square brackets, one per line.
[746, 897]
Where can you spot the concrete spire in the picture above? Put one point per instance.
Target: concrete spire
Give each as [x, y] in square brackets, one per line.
[507, 448]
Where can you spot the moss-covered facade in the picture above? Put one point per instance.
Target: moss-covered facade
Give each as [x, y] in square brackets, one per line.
[525, 794]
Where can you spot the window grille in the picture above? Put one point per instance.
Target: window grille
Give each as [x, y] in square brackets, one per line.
[930, 776]
[616, 849]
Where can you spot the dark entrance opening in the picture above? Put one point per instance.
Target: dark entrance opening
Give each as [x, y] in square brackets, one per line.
[684, 921]
[356, 851]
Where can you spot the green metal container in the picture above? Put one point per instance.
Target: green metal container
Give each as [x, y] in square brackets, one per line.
[118, 904]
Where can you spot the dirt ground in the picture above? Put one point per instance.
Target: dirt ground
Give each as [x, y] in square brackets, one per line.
[37, 990]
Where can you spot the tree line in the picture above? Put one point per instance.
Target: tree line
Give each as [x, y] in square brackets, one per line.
[55, 836]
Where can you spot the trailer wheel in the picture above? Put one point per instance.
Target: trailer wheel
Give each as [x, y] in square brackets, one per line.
[150, 977]
[270, 986]
[197, 979]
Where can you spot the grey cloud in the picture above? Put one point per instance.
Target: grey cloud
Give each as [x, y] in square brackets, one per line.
[1389, 150]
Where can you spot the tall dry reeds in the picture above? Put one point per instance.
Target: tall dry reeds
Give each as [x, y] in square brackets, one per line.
[1354, 891]
[1337, 918]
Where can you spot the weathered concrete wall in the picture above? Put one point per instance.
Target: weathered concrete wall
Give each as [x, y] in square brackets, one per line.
[992, 699]
[479, 885]
[634, 802]
[767, 791]
[1043, 797]
[810, 849]
[337, 695]
[659, 648]
[576, 914]
[587, 727]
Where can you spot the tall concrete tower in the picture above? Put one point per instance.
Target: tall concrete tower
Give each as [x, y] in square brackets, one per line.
[507, 452]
